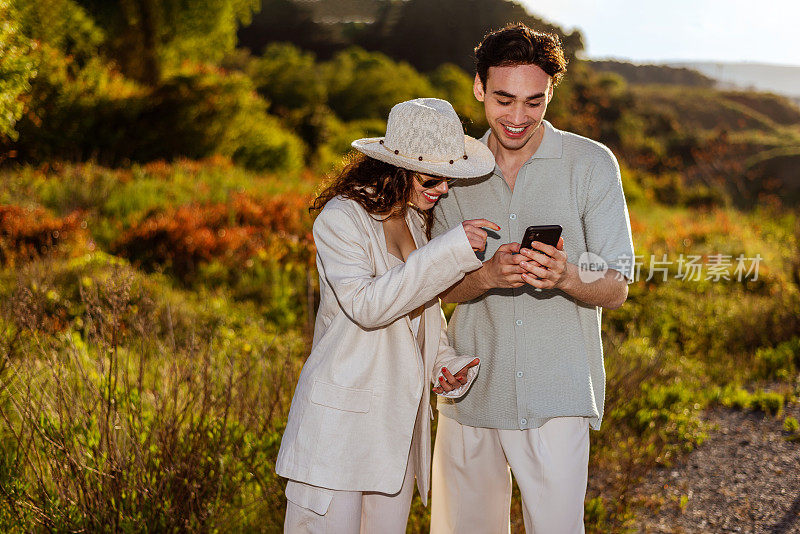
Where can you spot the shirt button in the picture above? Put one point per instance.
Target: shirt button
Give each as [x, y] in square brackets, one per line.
[523, 422]
[519, 374]
[512, 216]
[519, 322]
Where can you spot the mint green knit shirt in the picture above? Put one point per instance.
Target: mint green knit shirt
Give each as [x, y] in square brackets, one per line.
[541, 353]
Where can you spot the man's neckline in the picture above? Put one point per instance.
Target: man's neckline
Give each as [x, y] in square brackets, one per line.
[549, 148]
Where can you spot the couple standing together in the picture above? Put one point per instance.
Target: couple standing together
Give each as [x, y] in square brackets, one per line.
[427, 213]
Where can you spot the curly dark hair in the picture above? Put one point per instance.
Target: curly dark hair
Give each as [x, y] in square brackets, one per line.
[517, 44]
[382, 189]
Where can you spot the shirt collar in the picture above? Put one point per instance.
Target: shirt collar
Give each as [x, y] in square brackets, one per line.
[550, 147]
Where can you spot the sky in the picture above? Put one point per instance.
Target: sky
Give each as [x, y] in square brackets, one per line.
[762, 31]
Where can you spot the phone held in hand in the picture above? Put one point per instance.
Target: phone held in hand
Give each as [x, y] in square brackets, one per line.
[547, 234]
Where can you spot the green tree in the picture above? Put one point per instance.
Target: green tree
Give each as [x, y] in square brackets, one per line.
[16, 69]
[365, 85]
[62, 25]
[288, 78]
[147, 36]
[455, 86]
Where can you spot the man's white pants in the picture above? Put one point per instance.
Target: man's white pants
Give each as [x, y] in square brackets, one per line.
[472, 480]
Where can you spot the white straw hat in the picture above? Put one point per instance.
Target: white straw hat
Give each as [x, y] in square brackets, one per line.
[425, 135]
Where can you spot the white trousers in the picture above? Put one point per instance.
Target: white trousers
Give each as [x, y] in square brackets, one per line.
[313, 510]
[472, 480]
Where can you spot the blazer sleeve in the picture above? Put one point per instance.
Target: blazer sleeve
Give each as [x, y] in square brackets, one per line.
[372, 301]
[447, 357]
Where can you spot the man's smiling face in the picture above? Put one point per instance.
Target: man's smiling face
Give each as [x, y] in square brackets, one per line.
[515, 99]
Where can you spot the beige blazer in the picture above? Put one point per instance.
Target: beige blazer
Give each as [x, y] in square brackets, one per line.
[355, 406]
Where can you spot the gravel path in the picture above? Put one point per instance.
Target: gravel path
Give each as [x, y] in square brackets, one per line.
[744, 478]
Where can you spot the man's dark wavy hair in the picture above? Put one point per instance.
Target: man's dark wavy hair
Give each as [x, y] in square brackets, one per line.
[517, 44]
[382, 189]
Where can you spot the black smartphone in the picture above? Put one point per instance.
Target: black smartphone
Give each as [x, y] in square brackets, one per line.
[547, 234]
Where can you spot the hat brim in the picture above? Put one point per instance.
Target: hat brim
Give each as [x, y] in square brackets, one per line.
[479, 162]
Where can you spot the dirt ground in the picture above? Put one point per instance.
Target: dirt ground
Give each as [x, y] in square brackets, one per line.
[744, 478]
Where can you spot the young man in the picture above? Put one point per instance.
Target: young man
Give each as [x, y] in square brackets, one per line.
[531, 315]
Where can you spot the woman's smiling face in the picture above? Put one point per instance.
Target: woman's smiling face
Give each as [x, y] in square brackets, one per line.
[425, 197]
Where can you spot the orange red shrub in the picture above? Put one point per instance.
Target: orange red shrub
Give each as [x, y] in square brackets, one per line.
[28, 232]
[183, 238]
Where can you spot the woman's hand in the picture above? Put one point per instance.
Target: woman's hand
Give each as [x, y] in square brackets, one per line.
[476, 234]
[448, 382]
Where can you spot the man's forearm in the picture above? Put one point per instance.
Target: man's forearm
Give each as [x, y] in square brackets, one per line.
[610, 292]
[472, 286]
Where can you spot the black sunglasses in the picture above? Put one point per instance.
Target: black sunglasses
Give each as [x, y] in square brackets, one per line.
[433, 181]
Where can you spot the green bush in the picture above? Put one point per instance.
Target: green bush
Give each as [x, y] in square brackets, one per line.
[455, 86]
[780, 362]
[266, 145]
[92, 112]
[718, 326]
[71, 187]
[78, 111]
[197, 114]
[671, 411]
[791, 425]
[769, 402]
[288, 78]
[670, 188]
[338, 135]
[365, 85]
[738, 398]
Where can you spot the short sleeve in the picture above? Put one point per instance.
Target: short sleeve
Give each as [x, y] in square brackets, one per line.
[606, 222]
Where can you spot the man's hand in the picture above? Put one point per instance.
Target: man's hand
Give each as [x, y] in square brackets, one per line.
[477, 235]
[545, 266]
[503, 269]
[448, 382]
[549, 269]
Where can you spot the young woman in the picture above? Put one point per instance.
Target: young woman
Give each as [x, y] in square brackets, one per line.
[359, 426]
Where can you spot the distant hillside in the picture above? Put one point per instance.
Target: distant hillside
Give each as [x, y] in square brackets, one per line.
[774, 106]
[732, 111]
[779, 79]
[658, 74]
[748, 142]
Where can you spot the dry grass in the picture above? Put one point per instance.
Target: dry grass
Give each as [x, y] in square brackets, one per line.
[133, 424]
